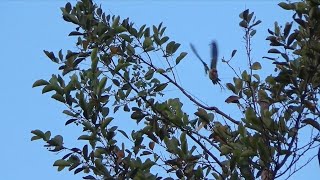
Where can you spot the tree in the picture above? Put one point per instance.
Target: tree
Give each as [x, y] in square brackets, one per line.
[122, 78]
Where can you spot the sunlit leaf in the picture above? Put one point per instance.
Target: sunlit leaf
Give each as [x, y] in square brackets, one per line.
[256, 66]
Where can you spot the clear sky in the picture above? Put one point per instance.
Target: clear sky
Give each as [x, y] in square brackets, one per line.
[29, 27]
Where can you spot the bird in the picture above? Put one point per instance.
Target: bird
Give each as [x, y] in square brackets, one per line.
[213, 73]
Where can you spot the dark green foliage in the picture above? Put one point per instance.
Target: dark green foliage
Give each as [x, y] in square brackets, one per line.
[123, 78]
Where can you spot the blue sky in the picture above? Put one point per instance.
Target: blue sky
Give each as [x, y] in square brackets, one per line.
[29, 27]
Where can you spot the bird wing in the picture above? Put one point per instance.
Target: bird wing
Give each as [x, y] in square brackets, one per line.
[214, 55]
[206, 67]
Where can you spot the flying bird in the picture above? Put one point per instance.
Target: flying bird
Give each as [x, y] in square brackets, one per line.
[213, 73]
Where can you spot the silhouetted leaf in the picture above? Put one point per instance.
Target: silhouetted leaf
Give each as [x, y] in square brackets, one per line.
[70, 121]
[233, 53]
[232, 99]
[276, 51]
[90, 177]
[75, 33]
[123, 133]
[301, 22]
[270, 32]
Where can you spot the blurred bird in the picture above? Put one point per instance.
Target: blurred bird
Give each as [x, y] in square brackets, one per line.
[213, 73]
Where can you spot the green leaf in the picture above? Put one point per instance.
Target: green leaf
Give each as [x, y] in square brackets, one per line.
[61, 162]
[251, 115]
[159, 70]
[180, 57]
[149, 74]
[58, 97]
[285, 6]
[169, 47]
[82, 101]
[39, 133]
[184, 143]
[57, 140]
[68, 7]
[105, 111]
[130, 50]
[257, 77]
[116, 22]
[203, 115]
[147, 43]
[101, 85]
[256, 66]
[138, 115]
[243, 24]
[33, 138]
[47, 88]
[225, 149]
[147, 32]
[287, 29]
[85, 137]
[51, 56]
[40, 82]
[105, 122]
[238, 83]
[141, 30]
[125, 37]
[292, 37]
[231, 87]
[155, 30]
[256, 23]
[164, 39]
[253, 32]
[161, 87]
[94, 59]
[72, 18]
[120, 66]
[69, 113]
[120, 29]
[175, 47]
[248, 153]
